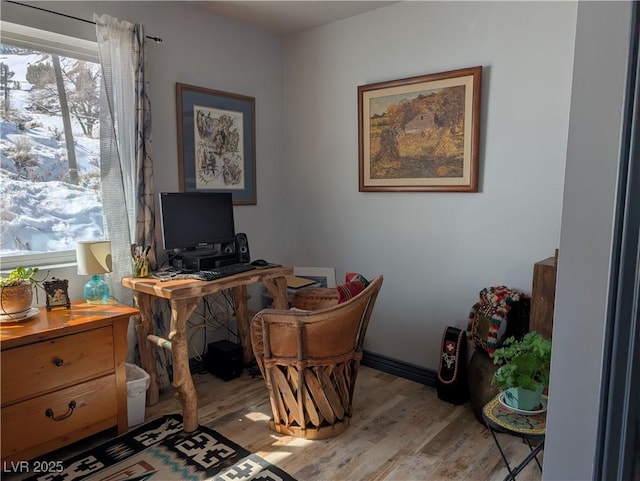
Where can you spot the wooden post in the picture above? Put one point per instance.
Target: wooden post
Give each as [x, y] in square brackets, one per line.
[181, 310]
[543, 296]
[158, 341]
[144, 327]
[277, 287]
[240, 298]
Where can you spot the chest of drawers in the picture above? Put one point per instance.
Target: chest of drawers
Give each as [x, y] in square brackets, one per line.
[63, 377]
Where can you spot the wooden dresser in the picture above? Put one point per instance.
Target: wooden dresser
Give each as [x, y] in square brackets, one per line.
[63, 377]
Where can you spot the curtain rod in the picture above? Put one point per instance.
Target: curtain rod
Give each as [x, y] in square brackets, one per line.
[155, 39]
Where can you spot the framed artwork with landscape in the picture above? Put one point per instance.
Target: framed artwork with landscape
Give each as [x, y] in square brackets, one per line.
[216, 142]
[420, 134]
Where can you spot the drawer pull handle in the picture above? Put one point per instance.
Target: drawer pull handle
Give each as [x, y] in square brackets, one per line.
[58, 362]
[49, 412]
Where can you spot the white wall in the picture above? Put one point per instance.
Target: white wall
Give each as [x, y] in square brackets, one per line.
[586, 238]
[436, 250]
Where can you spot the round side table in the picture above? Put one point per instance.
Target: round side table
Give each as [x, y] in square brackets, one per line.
[531, 428]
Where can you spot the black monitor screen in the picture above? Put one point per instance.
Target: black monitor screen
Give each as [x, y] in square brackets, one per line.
[194, 219]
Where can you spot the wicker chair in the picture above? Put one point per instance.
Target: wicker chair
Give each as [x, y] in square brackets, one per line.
[310, 359]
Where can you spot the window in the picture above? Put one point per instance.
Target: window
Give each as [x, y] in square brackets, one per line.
[50, 194]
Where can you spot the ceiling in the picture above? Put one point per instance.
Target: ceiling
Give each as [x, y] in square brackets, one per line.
[285, 17]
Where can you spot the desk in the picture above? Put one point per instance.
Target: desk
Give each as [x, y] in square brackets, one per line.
[501, 419]
[184, 296]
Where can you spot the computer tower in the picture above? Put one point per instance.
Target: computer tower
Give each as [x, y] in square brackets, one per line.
[224, 359]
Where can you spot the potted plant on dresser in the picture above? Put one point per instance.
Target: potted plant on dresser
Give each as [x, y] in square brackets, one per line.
[16, 291]
[523, 371]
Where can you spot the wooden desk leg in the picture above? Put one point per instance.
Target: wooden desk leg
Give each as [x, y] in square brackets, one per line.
[144, 327]
[240, 298]
[182, 381]
[277, 287]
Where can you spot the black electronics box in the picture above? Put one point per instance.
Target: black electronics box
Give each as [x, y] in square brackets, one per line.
[207, 262]
[224, 359]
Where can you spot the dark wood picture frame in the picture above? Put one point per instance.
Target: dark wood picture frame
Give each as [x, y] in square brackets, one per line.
[57, 293]
[420, 134]
[216, 142]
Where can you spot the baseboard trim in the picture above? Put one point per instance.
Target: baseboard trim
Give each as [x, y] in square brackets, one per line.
[399, 368]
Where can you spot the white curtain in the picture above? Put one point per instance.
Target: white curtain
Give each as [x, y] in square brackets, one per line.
[126, 166]
[118, 59]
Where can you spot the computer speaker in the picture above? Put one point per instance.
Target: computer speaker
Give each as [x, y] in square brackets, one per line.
[242, 249]
[228, 247]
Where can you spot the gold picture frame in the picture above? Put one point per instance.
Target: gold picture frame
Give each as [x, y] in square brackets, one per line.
[420, 134]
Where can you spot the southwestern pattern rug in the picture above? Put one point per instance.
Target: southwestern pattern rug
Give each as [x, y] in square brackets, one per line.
[161, 451]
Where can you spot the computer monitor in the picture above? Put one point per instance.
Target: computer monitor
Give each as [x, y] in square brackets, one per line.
[193, 220]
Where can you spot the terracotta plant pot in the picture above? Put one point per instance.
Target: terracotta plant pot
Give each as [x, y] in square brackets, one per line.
[15, 299]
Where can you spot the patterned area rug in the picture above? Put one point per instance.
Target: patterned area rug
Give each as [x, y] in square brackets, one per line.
[161, 451]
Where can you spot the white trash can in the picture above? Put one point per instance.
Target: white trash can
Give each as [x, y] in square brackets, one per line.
[137, 385]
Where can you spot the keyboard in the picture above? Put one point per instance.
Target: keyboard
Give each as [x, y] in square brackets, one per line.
[211, 274]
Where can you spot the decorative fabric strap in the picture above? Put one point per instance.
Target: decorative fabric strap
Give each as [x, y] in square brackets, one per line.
[452, 339]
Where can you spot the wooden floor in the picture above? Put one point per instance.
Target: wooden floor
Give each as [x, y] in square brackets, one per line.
[400, 431]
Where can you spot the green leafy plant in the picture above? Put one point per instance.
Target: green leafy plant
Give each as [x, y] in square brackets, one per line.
[21, 275]
[524, 363]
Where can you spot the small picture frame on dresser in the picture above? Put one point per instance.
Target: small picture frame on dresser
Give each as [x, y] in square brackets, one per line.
[57, 293]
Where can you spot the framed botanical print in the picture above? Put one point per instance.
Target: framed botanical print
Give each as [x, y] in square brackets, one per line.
[216, 142]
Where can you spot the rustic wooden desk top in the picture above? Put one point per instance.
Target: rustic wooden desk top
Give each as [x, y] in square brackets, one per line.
[59, 321]
[193, 288]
